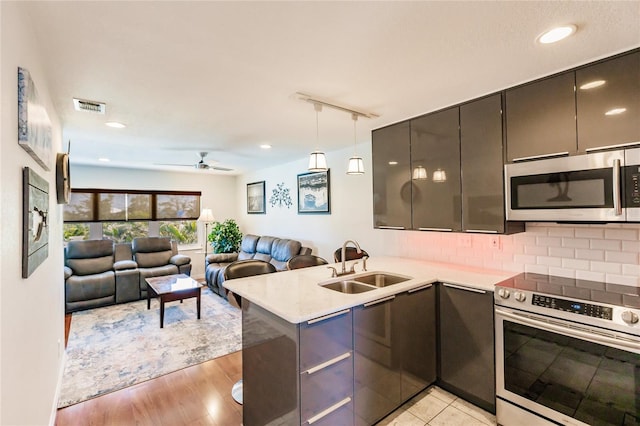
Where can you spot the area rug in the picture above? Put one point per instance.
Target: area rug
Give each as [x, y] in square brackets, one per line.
[114, 347]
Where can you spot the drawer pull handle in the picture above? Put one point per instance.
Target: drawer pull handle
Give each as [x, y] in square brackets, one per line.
[328, 363]
[424, 287]
[461, 287]
[436, 229]
[375, 302]
[335, 314]
[391, 227]
[329, 410]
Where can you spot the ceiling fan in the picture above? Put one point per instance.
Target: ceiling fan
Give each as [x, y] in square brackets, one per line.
[201, 165]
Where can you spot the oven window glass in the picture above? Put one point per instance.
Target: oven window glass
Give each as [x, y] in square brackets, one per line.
[585, 188]
[590, 382]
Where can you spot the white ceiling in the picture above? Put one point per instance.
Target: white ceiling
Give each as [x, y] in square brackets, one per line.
[221, 76]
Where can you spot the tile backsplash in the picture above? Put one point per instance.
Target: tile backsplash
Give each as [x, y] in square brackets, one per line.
[609, 253]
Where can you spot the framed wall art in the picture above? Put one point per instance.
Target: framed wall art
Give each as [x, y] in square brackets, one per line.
[34, 126]
[314, 193]
[35, 226]
[256, 198]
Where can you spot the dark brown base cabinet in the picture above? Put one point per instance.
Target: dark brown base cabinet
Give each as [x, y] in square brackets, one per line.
[466, 344]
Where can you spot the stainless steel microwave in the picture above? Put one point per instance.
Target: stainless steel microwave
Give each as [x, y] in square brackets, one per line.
[594, 187]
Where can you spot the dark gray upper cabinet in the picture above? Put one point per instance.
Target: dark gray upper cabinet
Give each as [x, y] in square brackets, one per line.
[619, 80]
[466, 335]
[540, 118]
[435, 146]
[481, 164]
[391, 177]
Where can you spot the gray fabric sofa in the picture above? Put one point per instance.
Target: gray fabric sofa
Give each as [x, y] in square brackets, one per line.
[276, 251]
[100, 273]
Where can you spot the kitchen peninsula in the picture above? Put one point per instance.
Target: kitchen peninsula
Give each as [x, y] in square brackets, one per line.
[313, 355]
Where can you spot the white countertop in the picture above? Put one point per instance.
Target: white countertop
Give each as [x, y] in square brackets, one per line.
[296, 296]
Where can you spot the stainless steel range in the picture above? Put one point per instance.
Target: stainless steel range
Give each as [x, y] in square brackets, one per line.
[567, 352]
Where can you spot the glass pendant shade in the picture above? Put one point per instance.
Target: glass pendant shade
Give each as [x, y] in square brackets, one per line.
[356, 166]
[317, 162]
[439, 176]
[419, 173]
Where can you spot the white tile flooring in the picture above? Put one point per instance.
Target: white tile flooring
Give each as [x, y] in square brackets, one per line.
[437, 407]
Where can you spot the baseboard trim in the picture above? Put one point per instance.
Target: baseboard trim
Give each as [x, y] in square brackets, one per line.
[54, 408]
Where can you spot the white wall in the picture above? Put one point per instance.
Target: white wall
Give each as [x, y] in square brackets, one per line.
[219, 193]
[350, 203]
[31, 310]
[608, 253]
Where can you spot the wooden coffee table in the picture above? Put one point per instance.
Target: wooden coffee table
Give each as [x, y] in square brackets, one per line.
[170, 288]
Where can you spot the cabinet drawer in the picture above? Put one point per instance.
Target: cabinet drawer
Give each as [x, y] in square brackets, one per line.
[325, 339]
[326, 387]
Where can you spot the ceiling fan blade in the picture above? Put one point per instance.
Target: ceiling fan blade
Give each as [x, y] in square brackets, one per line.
[222, 169]
[168, 164]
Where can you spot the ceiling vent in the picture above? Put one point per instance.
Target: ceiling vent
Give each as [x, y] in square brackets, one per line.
[89, 106]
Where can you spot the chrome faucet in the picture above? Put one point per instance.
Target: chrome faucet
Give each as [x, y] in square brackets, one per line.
[343, 257]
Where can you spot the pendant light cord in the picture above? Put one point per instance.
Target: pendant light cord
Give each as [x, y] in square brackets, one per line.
[355, 119]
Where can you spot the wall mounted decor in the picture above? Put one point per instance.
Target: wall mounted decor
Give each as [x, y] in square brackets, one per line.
[34, 126]
[256, 198]
[63, 179]
[280, 196]
[314, 192]
[35, 227]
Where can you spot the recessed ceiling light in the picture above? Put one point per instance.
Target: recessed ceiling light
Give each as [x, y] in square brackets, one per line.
[557, 34]
[592, 84]
[104, 160]
[393, 163]
[115, 125]
[265, 146]
[615, 111]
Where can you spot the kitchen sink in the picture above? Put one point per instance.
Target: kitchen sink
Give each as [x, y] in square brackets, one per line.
[348, 286]
[381, 279]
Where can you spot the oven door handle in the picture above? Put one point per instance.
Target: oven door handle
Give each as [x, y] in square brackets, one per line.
[633, 345]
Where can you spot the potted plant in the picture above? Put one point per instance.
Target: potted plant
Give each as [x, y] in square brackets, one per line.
[225, 236]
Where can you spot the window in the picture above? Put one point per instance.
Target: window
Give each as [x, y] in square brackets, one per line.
[126, 214]
[75, 231]
[183, 231]
[124, 232]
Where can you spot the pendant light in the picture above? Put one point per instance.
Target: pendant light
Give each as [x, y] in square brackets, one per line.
[317, 159]
[419, 173]
[439, 176]
[356, 165]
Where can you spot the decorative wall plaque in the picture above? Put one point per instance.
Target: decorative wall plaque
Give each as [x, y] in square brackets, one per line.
[35, 226]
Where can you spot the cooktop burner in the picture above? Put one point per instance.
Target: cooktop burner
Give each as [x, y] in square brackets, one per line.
[593, 291]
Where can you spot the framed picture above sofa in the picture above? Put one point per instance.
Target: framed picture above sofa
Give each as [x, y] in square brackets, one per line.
[256, 198]
[314, 193]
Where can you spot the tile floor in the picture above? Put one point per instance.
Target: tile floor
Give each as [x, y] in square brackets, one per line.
[437, 407]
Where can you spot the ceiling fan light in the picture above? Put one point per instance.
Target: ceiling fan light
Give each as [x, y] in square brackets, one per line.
[356, 166]
[317, 162]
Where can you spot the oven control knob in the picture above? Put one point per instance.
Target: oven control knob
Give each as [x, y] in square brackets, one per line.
[504, 293]
[520, 297]
[629, 317]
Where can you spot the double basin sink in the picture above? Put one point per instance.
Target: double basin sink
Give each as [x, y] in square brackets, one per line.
[365, 282]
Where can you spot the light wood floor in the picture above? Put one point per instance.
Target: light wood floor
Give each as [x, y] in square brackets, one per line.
[197, 395]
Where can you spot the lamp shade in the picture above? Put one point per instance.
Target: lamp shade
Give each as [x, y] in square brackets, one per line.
[206, 216]
[439, 176]
[317, 162]
[356, 166]
[419, 173]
